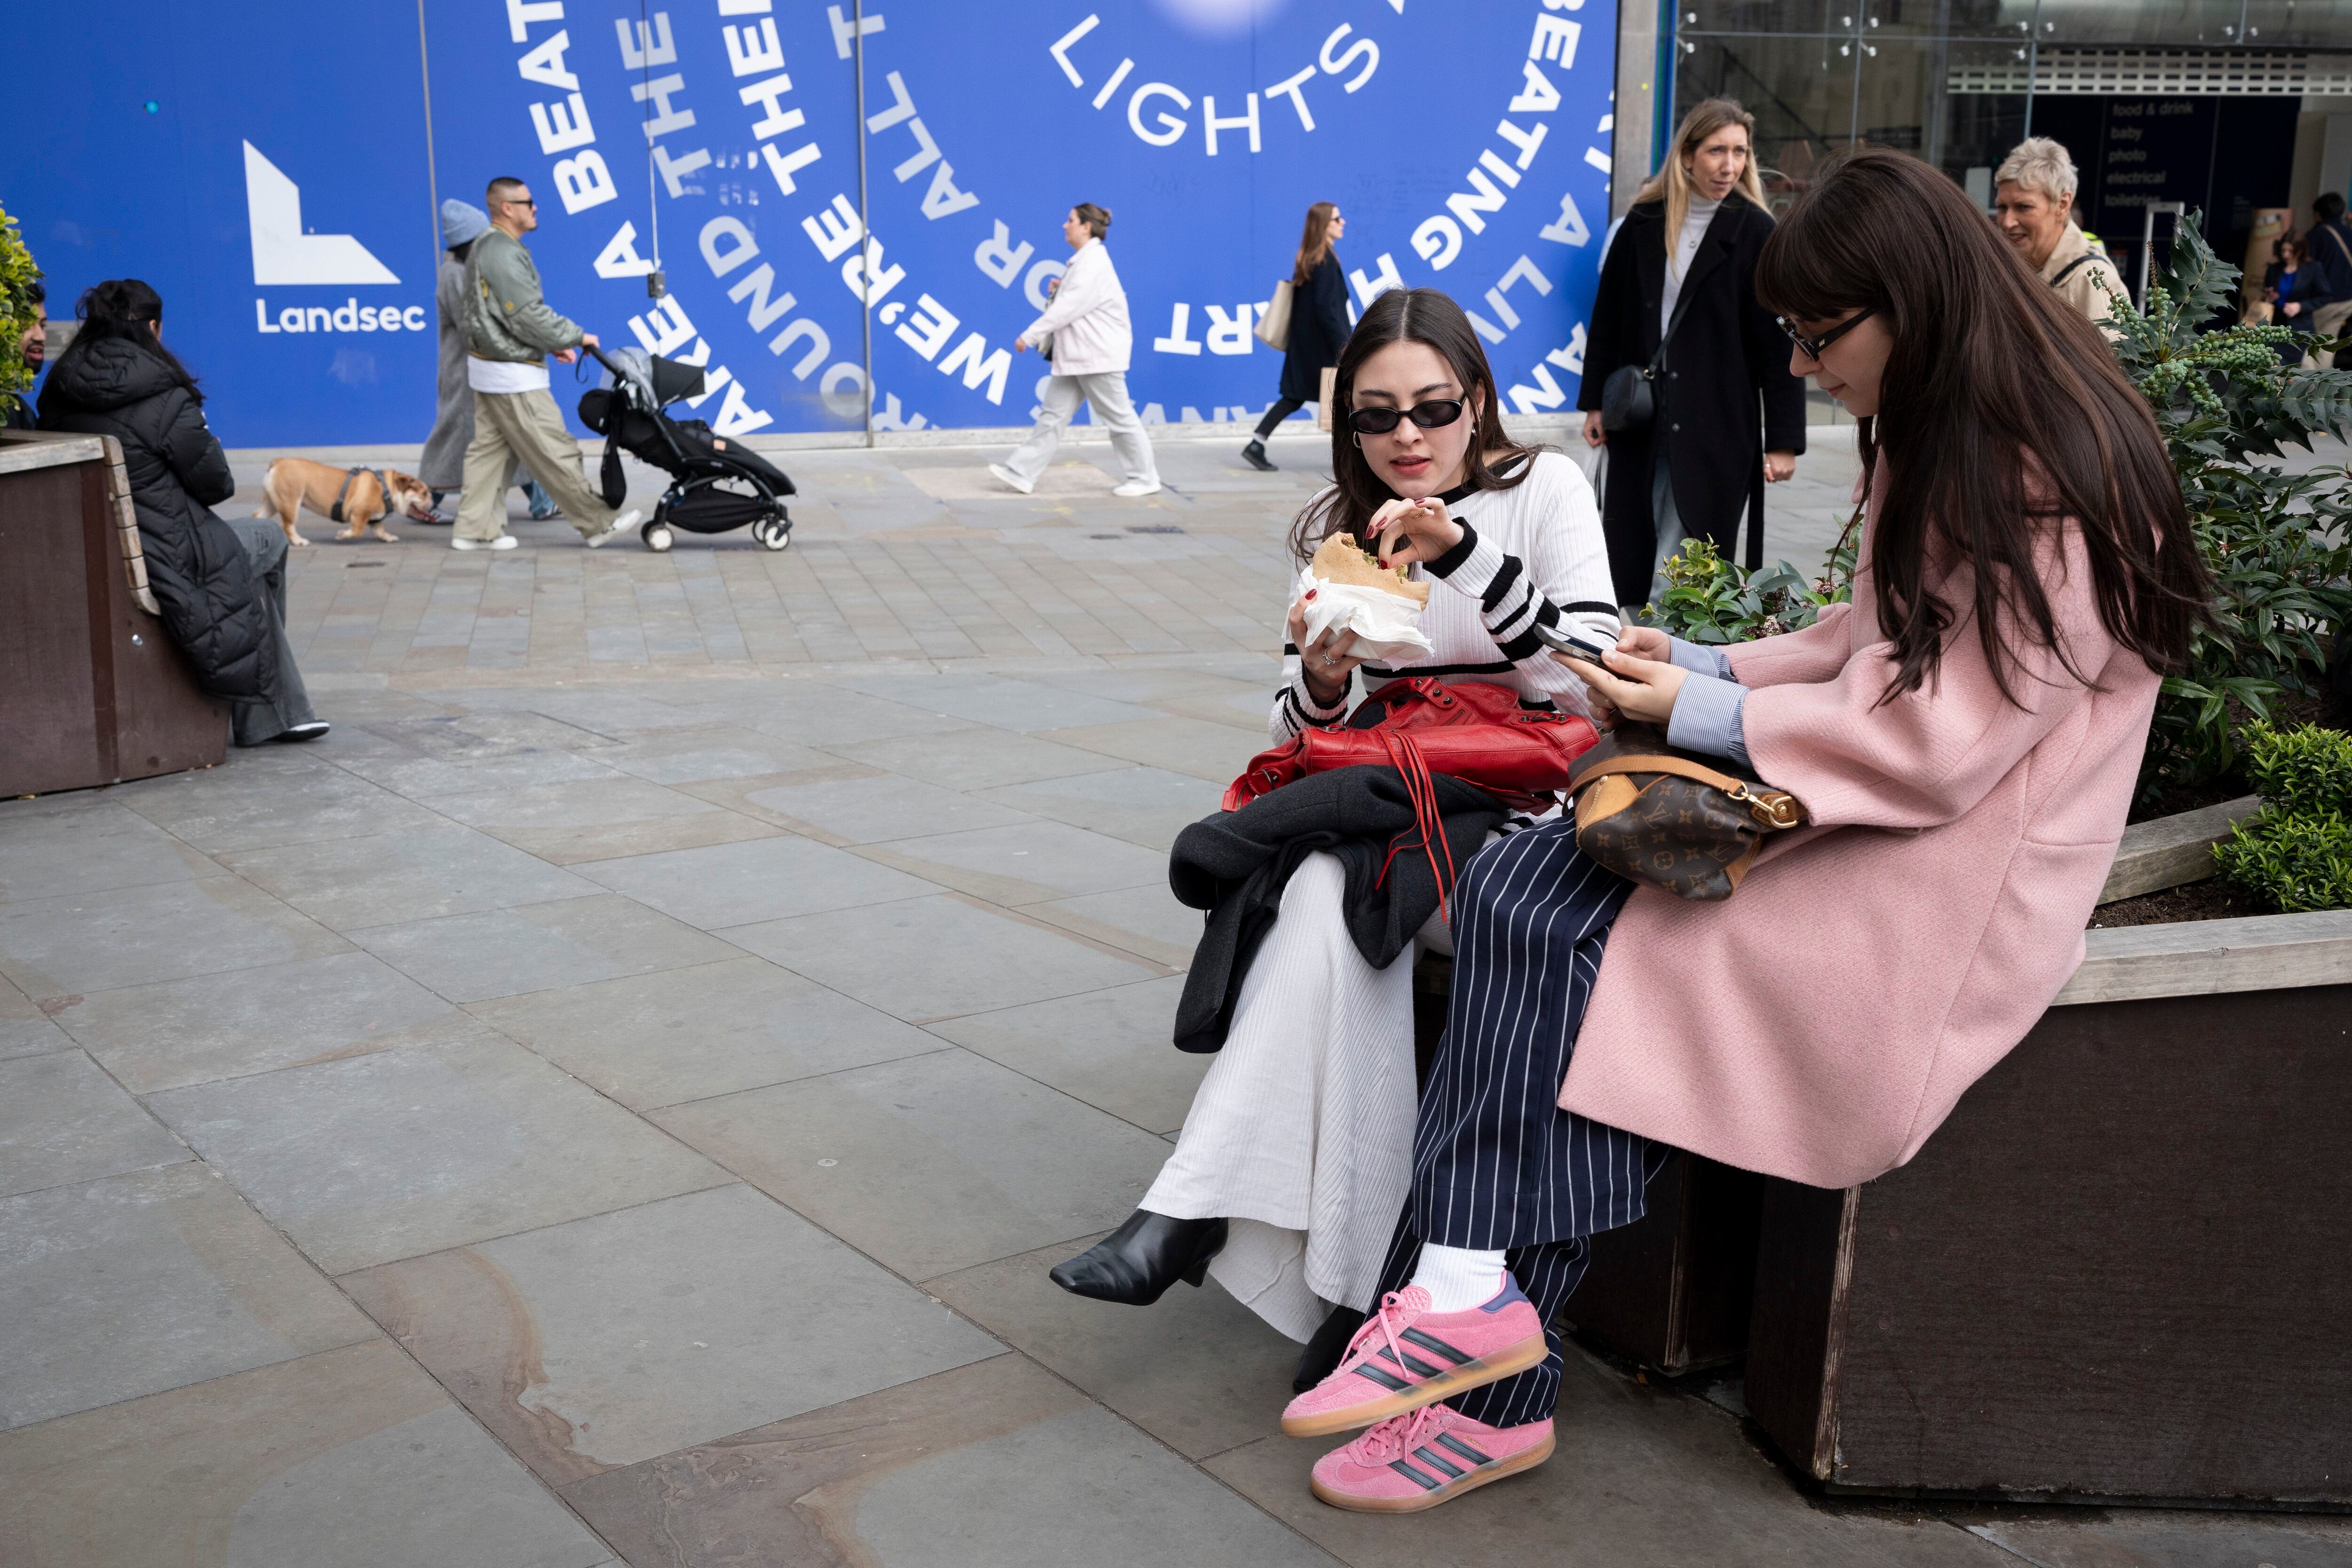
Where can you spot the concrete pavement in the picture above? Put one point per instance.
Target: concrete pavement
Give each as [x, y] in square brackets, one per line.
[615, 1098]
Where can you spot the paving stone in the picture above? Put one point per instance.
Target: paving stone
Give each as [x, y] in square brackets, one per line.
[1026, 862]
[80, 942]
[614, 1340]
[249, 1020]
[975, 759]
[1642, 1474]
[348, 1457]
[24, 1029]
[406, 1151]
[534, 947]
[1146, 920]
[226, 809]
[736, 884]
[936, 1163]
[115, 1289]
[2173, 1538]
[817, 715]
[868, 810]
[1109, 1048]
[1148, 806]
[1214, 754]
[688, 1033]
[994, 1464]
[936, 957]
[392, 876]
[1018, 705]
[63, 1120]
[1197, 1369]
[419, 776]
[600, 819]
[110, 847]
[712, 752]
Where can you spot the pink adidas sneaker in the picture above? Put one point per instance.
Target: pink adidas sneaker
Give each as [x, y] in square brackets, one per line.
[1408, 1463]
[1406, 1356]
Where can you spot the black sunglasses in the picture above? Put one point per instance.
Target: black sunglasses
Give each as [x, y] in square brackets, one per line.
[1812, 347]
[1431, 415]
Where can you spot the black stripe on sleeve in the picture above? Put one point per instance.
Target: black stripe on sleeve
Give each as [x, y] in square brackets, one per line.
[1451, 561]
[1510, 573]
[1594, 604]
[1523, 646]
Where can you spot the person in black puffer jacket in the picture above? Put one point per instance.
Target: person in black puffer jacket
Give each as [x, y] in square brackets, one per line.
[221, 585]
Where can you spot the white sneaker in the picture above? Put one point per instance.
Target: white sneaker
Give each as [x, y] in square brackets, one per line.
[1134, 487]
[1010, 480]
[621, 525]
[503, 542]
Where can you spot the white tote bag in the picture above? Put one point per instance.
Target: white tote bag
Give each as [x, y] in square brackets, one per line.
[1274, 328]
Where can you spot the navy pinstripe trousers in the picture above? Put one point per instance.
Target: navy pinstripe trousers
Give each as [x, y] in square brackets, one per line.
[1497, 1163]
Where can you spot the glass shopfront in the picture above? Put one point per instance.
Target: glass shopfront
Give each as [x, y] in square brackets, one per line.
[2238, 109]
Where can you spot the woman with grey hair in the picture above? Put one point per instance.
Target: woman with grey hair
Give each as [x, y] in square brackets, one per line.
[2034, 207]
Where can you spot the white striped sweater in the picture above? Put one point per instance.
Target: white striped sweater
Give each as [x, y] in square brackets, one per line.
[1530, 554]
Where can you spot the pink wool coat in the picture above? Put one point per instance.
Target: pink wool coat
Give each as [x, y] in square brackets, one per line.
[1821, 1023]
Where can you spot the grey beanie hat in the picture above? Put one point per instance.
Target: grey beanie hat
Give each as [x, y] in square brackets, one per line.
[461, 221]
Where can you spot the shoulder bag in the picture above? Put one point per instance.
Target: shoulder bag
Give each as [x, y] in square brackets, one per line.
[1473, 731]
[1629, 397]
[1667, 819]
[1274, 327]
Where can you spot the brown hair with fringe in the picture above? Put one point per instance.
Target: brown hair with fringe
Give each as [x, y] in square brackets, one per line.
[2000, 413]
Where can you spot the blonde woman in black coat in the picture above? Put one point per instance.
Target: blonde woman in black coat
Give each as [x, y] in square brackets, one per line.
[1691, 241]
[1319, 325]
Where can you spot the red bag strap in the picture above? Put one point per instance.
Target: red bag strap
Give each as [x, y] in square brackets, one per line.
[1421, 789]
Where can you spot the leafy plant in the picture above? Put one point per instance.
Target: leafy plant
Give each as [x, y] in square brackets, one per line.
[17, 311]
[2278, 544]
[2295, 854]
[1711, 600]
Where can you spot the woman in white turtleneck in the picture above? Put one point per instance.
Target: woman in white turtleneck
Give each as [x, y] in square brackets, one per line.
[1725, 405]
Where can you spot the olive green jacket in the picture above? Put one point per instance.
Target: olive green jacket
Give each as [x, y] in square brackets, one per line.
[506, 316]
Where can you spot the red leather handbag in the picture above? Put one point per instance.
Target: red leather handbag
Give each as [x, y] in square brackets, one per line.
[1474, 730]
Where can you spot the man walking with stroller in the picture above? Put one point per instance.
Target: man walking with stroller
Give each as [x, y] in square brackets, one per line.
[1090, 341]
[510, 332]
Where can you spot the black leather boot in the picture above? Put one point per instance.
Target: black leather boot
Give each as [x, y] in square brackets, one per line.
[1324, 1350]
[1255, 455]
[1138, 1262]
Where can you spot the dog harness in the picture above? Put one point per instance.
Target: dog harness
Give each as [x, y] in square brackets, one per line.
[335, 512]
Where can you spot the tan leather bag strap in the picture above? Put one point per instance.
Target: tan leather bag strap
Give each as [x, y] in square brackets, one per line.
[1771, 808]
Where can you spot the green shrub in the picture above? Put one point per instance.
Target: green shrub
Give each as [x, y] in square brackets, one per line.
[1711, 600]
[2301, 772]
[2290, 862]
[16, 308]
[2279, 545]
[2295, 854]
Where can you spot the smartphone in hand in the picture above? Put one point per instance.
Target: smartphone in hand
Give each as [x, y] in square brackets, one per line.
[1572, 637]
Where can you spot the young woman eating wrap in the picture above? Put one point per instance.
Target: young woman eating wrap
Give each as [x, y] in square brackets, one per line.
[1295, 1155]
[1964, 737]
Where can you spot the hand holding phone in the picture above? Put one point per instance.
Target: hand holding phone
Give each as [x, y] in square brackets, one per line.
[1575, 638]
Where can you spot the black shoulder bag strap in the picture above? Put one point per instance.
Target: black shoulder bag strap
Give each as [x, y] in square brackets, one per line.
[2068, 270]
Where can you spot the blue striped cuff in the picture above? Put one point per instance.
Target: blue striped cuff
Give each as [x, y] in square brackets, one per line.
[1707, 718]
[1699, 659]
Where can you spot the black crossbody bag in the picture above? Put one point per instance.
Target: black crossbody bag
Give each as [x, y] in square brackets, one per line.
[1629, 398]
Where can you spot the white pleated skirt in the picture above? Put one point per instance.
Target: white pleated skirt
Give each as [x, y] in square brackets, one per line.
[1301, 1135]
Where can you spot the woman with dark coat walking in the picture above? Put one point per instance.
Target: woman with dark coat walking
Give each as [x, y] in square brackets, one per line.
[1687, 256]
[1319, 325]
[221, 585]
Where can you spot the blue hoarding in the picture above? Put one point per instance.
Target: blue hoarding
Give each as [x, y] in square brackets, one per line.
[272, 172]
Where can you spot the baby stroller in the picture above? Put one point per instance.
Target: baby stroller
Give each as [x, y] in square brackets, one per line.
[716, 486]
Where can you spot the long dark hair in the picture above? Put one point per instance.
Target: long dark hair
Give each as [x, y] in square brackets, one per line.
[122, 307]
[1408, 316]
[1314, 241]
[2000, 411]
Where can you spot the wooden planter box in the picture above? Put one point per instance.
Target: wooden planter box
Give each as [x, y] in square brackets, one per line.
[2122, 1270]
[92, 690]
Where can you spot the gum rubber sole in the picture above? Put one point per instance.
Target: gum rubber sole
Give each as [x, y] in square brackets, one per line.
[1506, 1362]
[1452, 1490]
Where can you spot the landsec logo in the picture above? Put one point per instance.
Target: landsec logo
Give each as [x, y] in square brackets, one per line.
[284, 256]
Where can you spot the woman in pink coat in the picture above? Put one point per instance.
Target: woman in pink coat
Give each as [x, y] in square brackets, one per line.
[1964, 737]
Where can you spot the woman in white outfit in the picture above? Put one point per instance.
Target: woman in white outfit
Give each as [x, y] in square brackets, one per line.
[1084, 333]
[1296, 1158]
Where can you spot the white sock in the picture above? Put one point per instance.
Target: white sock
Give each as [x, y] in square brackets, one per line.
[1458, 1278]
